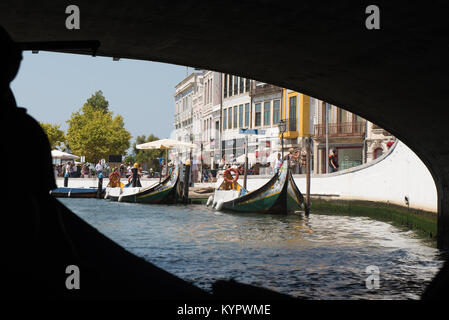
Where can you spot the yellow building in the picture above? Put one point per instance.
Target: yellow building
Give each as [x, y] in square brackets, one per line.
[298, 114]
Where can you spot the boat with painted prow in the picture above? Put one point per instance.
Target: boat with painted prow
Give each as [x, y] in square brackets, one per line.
[165, 192]
[279, 195]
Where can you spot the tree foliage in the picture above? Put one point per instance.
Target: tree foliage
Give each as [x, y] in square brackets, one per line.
[55, 135]
[147, 158]
[95, 133]
[98, 102]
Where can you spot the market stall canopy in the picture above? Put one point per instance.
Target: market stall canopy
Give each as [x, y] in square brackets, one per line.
[165, 144]
[56, 154]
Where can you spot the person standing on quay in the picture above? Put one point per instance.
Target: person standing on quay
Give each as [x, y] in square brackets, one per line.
[68, 169]
[99, 168]
[333, 161]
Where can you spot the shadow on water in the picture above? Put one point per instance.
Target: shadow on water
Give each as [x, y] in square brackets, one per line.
[315, 257]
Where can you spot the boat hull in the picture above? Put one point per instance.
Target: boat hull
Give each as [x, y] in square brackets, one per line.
[280, 195]
[163, 193]
[76, 192]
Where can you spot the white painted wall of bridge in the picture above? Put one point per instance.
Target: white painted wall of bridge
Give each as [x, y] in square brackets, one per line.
[390, 178]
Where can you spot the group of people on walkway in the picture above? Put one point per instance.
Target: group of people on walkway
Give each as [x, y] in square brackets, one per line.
[71, 170]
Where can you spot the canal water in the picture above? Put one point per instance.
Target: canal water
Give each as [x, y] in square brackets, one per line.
[319, 257]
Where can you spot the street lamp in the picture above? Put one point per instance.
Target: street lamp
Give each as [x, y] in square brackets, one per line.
[282, 128]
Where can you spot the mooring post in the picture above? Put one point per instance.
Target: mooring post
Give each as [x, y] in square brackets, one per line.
[66, 180]
[307, 206]
[100, 185]
[186, 181]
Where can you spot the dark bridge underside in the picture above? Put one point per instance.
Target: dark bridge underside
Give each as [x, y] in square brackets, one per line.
[396, 77]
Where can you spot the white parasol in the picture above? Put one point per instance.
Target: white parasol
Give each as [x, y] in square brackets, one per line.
[165, 144]
[56, 154]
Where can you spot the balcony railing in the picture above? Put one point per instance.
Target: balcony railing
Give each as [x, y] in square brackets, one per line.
[263, 88]
[342, 129]
[380, 130]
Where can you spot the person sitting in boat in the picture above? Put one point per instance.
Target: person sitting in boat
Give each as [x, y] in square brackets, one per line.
[134, 171]
[230, 182]
[114, 179]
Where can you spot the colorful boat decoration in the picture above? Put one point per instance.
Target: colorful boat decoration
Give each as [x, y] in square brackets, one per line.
[279, 195]
[76, 192]
[165, 192]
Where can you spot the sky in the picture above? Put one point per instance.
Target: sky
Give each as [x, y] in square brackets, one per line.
[51, 86]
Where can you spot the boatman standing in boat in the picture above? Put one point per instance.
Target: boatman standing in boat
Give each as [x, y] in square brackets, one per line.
[292, 156]
[277, 163]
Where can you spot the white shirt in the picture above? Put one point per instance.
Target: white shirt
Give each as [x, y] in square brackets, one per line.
[99, 167]
[277, 163]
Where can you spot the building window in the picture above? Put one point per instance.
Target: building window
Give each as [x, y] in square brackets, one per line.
[357, 118]
[236, 85]
[225, 111]
[267, 113]
[276, 111]
[241, 116]
[258, 115]
[210, 90]
[292, 114]
[247, 115]
[241, 85]
[225, 86]
[235, 117]
[342, 115]
[230, 118]
[230, 84]
[247, 84]
[206, 96]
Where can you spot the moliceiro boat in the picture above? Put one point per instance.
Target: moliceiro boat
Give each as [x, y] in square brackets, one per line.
[279, 195]
[165, 192]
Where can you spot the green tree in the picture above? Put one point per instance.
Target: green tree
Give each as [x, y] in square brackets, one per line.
[149, 157]
[130, 158]
[98, 102]
[55, 135]
[95, 133]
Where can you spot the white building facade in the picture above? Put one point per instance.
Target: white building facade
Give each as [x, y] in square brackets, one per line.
[188, 105]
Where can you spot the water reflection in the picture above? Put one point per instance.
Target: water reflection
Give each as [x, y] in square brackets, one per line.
[319, 257]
